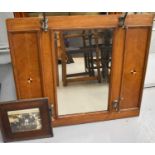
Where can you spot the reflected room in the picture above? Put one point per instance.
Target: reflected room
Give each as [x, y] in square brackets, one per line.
[83, 69]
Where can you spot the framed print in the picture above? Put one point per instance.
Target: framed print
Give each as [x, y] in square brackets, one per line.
[25, 119]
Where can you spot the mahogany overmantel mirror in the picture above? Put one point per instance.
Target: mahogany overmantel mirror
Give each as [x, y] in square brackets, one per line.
[91, 67]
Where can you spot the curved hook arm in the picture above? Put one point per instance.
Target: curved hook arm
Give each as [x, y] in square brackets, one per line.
[122, 20]
[44, 22]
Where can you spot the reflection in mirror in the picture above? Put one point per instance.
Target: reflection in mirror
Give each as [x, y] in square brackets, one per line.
[83, 70]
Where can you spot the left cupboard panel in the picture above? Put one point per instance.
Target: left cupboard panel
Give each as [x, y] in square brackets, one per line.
[25, 53]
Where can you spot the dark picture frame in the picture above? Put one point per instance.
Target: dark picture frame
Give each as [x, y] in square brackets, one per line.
[25, 119]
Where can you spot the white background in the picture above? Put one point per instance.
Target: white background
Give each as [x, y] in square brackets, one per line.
[77, 5]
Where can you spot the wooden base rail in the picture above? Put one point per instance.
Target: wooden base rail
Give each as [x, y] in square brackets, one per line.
[94, 117]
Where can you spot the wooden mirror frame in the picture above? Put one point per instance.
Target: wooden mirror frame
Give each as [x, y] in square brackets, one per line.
[141, 23]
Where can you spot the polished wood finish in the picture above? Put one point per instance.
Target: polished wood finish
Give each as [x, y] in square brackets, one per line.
[126, 46]
[136, 50]
[24, 47]
[117, 65]
[95, 22]
[78, 22]
[20, 14]
[31, 54]
[94, 117]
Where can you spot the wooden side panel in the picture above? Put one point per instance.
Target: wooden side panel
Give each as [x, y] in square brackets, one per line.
[48, 63]
[32, 59]
[117, 63]
[136, 51]
[26, 63]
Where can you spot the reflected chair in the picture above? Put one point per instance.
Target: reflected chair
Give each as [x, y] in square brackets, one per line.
[87, 51]
[103, 44]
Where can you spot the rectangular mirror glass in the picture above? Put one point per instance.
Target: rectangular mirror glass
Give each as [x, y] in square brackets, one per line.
[83, 70]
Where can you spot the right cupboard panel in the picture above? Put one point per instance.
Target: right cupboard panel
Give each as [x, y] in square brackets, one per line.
[135, 55]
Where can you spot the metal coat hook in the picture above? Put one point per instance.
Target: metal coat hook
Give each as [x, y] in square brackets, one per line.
[44, 22]
[122, 20]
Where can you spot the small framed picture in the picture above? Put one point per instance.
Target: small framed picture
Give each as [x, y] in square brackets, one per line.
[25, 119]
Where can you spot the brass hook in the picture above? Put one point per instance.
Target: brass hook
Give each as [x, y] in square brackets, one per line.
[44, 22]
[122, 20]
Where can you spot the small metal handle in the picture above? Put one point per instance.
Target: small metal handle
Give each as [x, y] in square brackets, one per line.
[115, 105]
